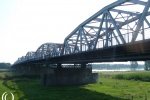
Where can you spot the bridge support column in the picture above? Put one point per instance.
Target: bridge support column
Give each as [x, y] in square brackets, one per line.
[83, 65]
[69, 75]
[59, 65]
[29, 69]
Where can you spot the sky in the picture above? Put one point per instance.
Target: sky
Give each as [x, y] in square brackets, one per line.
[26, 24]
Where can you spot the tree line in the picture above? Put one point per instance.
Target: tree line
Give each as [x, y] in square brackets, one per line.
[147, 65]
[132, 66]
[5, 65]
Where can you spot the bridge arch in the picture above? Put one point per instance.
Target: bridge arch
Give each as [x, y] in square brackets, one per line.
[48, 50]
[115, 24]
[30, 55]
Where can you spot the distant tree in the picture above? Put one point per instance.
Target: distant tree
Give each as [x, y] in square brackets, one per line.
[5, 65]
[134, 65]
[147, 65]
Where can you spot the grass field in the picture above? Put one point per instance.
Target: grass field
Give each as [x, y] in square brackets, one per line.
[108, 88]
[138, 76]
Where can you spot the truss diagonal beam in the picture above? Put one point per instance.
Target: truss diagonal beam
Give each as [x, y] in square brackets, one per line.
[140, 22]
[116, 27]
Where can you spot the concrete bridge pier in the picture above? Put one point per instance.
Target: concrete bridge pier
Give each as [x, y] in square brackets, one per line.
[29, 69]
[83, 65]
[68, 75]
[59, 65]
[20, 69]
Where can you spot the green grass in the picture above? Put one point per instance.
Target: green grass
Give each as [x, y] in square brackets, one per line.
[106, 89]
[141, 76]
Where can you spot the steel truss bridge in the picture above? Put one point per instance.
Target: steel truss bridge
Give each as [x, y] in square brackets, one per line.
[118, 32]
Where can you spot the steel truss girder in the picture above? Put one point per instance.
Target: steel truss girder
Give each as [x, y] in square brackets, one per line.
[140, 22]
[105, 28]
[44, 51]
[48, 50]
[102, 32]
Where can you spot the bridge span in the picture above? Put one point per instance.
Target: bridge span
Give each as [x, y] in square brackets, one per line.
[118, 32]
[138, 51]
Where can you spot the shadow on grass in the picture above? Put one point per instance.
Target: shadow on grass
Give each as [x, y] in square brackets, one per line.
[32, 90]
